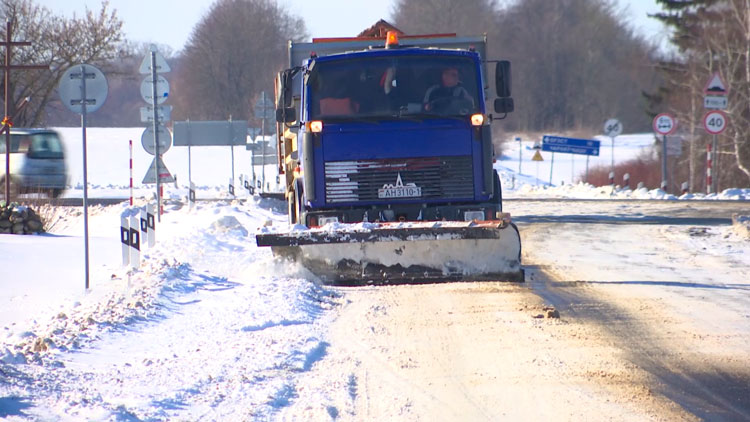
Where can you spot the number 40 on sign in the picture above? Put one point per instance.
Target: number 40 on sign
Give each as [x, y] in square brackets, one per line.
[715, 122]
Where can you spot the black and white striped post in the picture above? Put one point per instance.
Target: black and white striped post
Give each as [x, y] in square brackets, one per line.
[191, 195]
[130, 237]
[151, 222]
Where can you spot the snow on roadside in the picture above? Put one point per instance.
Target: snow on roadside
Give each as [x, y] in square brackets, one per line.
[205, 288]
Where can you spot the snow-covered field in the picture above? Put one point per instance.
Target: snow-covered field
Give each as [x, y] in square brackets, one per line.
[209, 327]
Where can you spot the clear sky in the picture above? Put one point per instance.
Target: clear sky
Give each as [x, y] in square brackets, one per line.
[171, 22]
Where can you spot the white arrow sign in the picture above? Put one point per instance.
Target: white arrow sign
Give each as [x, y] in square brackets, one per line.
[715, 102]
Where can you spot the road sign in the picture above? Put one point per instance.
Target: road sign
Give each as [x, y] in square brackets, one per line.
[161, 64]
[612, 127]
[537, 156]
[208, 133]
[147, 140]
[164, 175]
[570, 145]
[70, 88]
[715, 122]
[147, 89]
[716, 85]
[164, 113]
[264, 108]
[664, 124]
[715, 102]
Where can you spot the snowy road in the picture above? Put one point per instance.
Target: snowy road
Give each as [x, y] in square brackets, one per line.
[654, 324]
[671, 294]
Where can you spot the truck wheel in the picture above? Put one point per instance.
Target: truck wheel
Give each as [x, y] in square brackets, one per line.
[498, 191]
[292, 208]
[294, 204]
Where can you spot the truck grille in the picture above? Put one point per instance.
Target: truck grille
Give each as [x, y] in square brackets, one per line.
[411, 178]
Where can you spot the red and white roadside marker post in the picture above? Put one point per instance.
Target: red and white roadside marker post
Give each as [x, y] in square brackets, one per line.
[130, 144]
[709, 165]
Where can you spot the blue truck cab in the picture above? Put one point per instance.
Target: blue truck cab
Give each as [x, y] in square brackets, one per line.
[390, 132]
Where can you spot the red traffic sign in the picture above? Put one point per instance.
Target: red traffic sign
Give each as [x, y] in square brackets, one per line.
[715, 122]
[716, 86]
[664, 124]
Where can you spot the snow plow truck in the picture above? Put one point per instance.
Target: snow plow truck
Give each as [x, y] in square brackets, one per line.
[386, 149]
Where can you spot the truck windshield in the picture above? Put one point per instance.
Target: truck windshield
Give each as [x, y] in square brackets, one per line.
[394, 87]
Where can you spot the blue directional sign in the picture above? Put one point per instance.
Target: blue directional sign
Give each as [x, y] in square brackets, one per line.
[570, 145]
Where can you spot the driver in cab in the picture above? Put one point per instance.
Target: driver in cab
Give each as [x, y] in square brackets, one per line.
[439, 96]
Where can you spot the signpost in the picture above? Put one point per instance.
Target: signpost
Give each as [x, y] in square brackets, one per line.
[263, 110]
[155, 90]
[612, 128]
[715, 121]
[83, 89]
[664, 124]
[537, 157]
[520, 151]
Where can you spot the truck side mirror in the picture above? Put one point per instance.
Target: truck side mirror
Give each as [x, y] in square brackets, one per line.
[502, 78]
[504, 105]
[286, 115]
[283, 86]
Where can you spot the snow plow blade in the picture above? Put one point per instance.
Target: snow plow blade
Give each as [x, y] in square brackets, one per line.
[423, 252]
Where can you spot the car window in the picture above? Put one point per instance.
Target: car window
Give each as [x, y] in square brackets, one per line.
[45, 145]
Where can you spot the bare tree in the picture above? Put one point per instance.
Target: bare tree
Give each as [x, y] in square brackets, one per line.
[575, 65]
[231, 56]
[711, 36]
[95, 38]
[468, 17]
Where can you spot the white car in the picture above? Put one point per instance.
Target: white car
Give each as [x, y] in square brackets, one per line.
[37, 162]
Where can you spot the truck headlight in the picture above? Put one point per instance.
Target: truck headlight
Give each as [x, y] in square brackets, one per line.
[473, 215]
[325, 220]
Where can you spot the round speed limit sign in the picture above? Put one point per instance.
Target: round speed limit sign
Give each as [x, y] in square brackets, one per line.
[715, 122]
[612, 127]
[664, 124]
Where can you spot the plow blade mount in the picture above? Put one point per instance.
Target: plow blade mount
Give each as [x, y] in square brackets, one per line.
[404, 252]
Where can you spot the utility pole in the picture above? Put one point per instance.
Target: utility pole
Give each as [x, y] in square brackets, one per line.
[8, 119]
